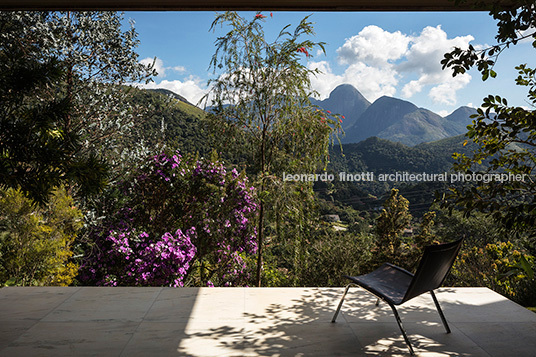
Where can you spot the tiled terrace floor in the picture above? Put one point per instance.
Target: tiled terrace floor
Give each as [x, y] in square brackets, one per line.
[255, 322]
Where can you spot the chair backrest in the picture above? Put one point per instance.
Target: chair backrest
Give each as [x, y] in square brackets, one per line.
[433, 269]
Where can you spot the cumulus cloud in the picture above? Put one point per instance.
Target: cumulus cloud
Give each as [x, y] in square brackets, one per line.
[423, 58]
[159, 66]
[373, 46]
[179, 69]
[445, 93]
[372, 82]
[378, 62]
[192, 88]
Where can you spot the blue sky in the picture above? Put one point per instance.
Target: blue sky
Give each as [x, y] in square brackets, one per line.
[395, 54]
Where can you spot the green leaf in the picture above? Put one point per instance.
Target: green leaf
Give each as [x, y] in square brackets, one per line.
[525, 265]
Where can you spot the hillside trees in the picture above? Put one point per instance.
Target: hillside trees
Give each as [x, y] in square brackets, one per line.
[62, 107]
[262, 112]
[498, 125]
[390, 225]
[37, 149]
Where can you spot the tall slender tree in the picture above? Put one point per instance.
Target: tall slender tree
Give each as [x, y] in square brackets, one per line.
[262, 109]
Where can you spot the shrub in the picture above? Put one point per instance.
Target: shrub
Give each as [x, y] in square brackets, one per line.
[180, 222]
[35, 241]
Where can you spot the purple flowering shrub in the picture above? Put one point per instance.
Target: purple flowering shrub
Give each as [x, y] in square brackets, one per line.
[180, 222]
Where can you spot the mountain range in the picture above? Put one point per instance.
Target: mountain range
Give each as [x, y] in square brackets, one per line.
[392, 118]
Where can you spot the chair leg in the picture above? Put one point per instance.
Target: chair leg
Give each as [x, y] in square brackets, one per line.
[377, 301]
[399, 321]
[342, 300]
[440, 312]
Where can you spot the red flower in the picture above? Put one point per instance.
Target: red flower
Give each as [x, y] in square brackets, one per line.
[303, 50]
[260, 16]
[342, 116]
[327, 111]
[271, 15]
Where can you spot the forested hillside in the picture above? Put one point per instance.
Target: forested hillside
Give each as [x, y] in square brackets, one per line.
[106, 184]
[380, 156]
[170, 121]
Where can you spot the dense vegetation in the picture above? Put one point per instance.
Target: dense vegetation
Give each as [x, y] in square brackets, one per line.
[126, 188]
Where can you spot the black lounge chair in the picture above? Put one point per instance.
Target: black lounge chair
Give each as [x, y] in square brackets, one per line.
[395, 285]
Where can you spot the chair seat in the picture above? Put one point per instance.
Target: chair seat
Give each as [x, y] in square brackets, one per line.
[396, 285]
[388, 282]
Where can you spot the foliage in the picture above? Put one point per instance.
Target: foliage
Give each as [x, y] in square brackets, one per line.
[390, 225]
[515, 22]
[180, 222]
[261, 107]
[35, 242]
[334, 254]
[497, 266]
[505, 139]
[476, 229]
[487, 258]
[495, 129]
[425, 237]
[38, 149]
[504, 135]
[62, 76]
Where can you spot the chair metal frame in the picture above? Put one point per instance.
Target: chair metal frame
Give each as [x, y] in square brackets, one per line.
[444, 253]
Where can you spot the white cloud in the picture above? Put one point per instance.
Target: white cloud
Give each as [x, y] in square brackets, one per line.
[528, 32]
[423, 58]
[180, 69]
[160, 68]
[445, 93]
[411, 88]
[372, 82]
[378, 62]
[426, 50]
[158, 65]
[373, 46]
[192, 88]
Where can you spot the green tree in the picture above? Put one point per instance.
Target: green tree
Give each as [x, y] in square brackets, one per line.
[504, 135]
[262, 111]
[498, 266]
[516, 21]
[37, 150]
[390, 225]
[62, 105]
[35, 242]
[99, 54]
